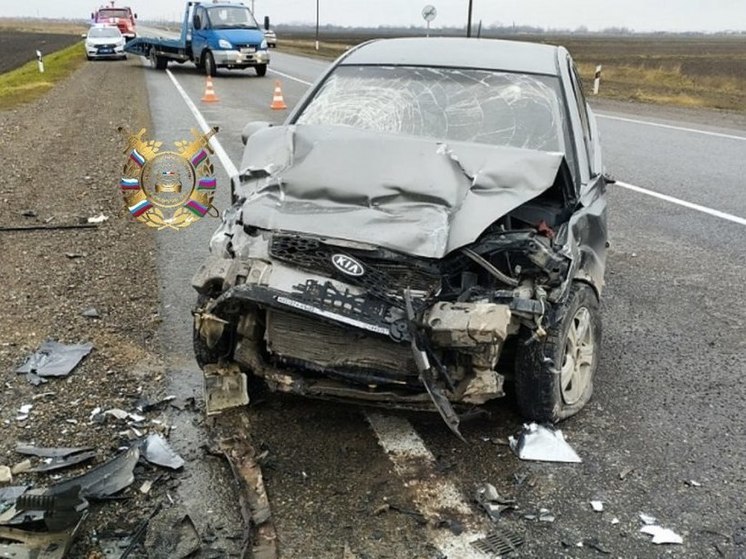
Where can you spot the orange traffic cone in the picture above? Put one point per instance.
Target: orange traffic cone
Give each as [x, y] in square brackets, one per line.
[209, 96]
[278, 103]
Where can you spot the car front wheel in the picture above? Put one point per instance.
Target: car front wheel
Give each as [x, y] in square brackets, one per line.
[261, 70]
[554, 376]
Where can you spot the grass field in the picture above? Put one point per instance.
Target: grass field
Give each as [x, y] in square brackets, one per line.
[686, 71]
[25, 84]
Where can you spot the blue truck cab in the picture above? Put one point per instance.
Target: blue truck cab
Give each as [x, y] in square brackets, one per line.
[213, 35]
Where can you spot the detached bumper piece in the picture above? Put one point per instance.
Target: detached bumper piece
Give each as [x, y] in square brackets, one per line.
[225, 388]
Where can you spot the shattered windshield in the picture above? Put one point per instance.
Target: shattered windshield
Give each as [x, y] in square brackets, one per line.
[481, 106]
[238, 17]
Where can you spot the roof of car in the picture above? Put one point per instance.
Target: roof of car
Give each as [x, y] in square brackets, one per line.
[450, 52]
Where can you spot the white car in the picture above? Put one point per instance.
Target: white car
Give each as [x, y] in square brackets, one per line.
[104, 41]
[271, 37]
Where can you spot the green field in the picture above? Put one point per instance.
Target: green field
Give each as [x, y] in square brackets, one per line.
[697, 71]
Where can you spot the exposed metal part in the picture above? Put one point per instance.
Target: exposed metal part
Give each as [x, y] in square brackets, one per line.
[225, 387]
[499, 541]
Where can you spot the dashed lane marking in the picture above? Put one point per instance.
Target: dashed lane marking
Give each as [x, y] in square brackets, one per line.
[288, 76]
[217, 147]
[432, 494]
[684, 203]
[672, 127]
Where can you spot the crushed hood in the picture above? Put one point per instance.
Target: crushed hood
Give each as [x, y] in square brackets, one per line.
[414, 195]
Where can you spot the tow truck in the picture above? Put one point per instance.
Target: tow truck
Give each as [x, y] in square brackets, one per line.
[213, 35]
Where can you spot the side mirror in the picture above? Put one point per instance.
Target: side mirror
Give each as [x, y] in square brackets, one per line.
[84, 35]
[266, 23]
[252, 128]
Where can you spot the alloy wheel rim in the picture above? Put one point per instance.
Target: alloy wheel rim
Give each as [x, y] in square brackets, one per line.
[577, 363]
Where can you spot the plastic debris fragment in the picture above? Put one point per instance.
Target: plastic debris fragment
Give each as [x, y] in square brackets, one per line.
[544, 444]
[53, 359]
[491, 501]
[157, 451]
[662, 535]
[597, 506]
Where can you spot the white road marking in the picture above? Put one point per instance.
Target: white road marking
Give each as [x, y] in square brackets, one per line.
[217, 147]
[433, 495]
[288, 76]
[684, 203]
[672, 127]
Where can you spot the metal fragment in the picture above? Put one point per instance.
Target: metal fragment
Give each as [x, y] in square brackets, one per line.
[544, 444]
[499, 541]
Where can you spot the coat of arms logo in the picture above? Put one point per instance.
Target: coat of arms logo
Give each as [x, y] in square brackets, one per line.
[168, 189]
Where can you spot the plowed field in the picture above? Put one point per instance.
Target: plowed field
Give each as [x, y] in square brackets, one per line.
[17, 48]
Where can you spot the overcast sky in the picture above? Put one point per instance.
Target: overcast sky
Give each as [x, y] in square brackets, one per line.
[641, 15]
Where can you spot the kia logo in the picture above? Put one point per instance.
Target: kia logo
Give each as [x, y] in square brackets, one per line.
[348, 265]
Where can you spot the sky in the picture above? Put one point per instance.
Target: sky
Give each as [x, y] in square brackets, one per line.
[640, 15]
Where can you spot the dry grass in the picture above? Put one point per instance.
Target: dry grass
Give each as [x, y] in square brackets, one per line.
[26, 83]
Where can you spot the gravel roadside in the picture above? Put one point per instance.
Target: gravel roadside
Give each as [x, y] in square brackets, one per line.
[62, 157]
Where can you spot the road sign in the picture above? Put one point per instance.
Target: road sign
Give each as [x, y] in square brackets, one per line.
[429, 12]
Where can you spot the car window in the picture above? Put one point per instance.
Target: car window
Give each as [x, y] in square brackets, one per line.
[489, 107]
[114, 13]
[104, 32]
[231, 17]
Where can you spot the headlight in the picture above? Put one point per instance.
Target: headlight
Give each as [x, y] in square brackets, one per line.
[223, 44]
[264, 44]
[88, 45]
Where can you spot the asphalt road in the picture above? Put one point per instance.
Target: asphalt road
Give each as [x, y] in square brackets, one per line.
[664, 434]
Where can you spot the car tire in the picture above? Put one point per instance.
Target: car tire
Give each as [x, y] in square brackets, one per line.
[261, 70]
[157, 62]
[209, 62]
[554, 376]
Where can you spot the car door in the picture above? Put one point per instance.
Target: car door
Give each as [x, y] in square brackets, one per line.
[200, 24]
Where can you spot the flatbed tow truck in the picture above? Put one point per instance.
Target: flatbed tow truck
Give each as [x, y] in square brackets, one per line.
[213, 35]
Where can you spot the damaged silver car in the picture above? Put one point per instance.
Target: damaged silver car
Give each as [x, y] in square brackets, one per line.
[427, 226]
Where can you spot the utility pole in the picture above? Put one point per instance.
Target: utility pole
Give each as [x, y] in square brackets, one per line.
[468, 21]
[317, 24]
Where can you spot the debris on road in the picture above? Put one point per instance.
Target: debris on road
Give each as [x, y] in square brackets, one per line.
[43, 545]
[157, 451]
[692, 483]
[21, 467]
[595, 543]
[52, 464]
[260, 538]
[647, 519]
[100, 218]
[91, 313]
[499, 541]
[490, 500]
[49, 452]
[662, 535]
[597, 506]
[171, 533]
[104, 480]
[544, 444]
[6, 476]
[23, 412]
[625, 472]
[54, 359]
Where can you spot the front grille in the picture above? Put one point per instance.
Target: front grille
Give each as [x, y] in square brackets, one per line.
[384, 279]
[337, 350]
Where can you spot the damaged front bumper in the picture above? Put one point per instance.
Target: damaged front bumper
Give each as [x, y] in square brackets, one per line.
[393, 338]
